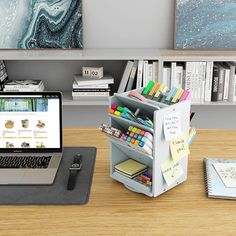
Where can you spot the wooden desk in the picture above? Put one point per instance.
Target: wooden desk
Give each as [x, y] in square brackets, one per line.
[114, 210]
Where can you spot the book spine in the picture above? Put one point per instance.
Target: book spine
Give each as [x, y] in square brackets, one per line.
[99, 86]
[23, 86]
[140, 74]
[149, 72]
[145, 73]
[155, 71]
[91, 90]
[90, 94]
[215, 81]
[173, 74]
[209, 78]
[179, 77]
[132, 76]
[231, 83]
[221, 83]
[203, 81]
[226, 85]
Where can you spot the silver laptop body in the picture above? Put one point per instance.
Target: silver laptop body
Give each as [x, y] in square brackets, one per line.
[30, 128]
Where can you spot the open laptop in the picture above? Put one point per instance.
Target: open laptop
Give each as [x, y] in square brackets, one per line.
[30, 137]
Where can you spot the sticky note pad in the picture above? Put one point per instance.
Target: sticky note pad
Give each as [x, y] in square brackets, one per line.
[179, 148]
[148, 88]
[171, 171]
[172, 126]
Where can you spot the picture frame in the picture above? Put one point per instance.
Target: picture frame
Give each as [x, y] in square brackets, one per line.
[205, 24]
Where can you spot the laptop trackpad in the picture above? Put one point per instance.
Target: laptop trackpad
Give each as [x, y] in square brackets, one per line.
[11, 176]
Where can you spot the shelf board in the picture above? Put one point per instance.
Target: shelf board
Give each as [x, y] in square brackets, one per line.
[120, 144]
[86, 101]
[80, 54]
[118, 54]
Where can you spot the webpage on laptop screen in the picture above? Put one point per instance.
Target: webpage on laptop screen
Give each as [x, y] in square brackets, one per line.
[29, 122]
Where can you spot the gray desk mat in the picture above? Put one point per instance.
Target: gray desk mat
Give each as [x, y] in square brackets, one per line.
[56, 194]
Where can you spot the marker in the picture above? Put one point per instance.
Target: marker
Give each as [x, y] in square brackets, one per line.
[148, 88]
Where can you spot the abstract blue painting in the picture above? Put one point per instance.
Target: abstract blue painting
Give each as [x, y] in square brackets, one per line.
[34, 24]
[205, 24]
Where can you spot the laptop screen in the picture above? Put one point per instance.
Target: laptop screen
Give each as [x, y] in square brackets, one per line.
[30, 121]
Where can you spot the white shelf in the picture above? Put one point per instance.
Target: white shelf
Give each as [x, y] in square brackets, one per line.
[83, 54]
[87, 101]
[119, 54]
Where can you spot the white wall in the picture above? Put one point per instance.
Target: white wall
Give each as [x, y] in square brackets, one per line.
[128, 23]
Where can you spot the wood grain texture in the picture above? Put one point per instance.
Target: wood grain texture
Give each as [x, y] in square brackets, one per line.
[114, 210]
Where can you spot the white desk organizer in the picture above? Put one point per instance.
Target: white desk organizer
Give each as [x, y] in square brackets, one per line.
[161, 150]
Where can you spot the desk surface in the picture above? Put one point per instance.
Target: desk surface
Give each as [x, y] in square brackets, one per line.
[114, 210]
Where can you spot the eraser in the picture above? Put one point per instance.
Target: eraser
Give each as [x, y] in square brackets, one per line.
[114, 106]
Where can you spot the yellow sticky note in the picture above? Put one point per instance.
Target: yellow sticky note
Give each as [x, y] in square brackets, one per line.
[179, 148]
[171, 171]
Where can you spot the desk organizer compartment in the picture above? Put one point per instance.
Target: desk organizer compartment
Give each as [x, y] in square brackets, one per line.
[161, 149]
[121, 154]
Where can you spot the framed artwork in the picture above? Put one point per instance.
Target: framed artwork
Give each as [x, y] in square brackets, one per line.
[35, 24]
[205, 24]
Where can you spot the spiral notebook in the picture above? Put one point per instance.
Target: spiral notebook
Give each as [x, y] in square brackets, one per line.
[220, 178]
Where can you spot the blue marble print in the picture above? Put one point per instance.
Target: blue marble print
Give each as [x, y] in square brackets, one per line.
[204, 24]
[33, 24]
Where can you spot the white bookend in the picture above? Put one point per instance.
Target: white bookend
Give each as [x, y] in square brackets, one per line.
[155, 71]
[125, 77]
[140, 74]
[132, 76]
[209, 78]
[145, 73]
[232, 66]
[173, 74]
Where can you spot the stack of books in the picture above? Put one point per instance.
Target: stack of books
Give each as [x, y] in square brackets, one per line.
[23, 86]
[84, 87]
[130, 168]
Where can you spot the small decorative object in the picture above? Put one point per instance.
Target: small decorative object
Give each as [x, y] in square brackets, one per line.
[41, 24]
[202, 24]
[92, 72]
[9, 124]
[40, 124]
[25, 123]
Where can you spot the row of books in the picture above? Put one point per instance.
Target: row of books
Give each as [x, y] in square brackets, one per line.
[207, 81]
[137, 74]
[84, 87]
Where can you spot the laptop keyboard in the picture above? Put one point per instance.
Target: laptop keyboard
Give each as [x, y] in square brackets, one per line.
[24, 161]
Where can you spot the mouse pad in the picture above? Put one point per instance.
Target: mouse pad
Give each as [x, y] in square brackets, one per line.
[57, 193]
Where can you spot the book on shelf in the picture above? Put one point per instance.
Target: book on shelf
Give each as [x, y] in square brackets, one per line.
[125, 76]
[23, 85]
[87, 81]
[208, 81]
[137, 74]
[132, 76]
